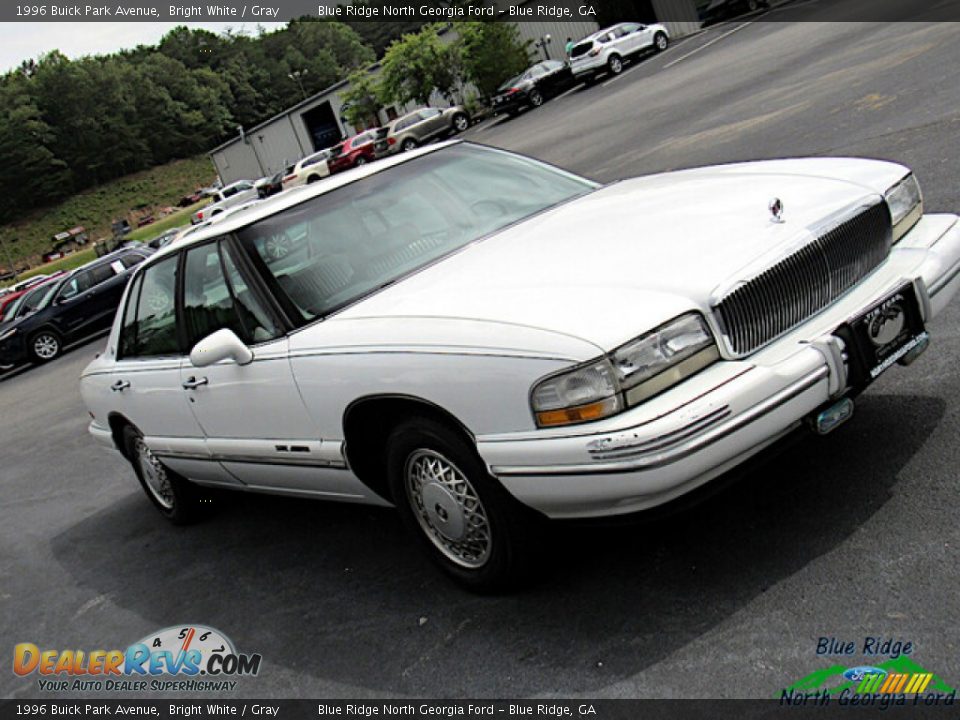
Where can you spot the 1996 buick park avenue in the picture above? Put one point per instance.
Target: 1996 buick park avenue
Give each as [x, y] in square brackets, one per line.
[484, 340]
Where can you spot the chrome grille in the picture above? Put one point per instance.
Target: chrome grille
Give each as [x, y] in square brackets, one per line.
[806, 281]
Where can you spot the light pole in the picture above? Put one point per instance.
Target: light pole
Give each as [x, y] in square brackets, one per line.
[542, 43]
[295, 76]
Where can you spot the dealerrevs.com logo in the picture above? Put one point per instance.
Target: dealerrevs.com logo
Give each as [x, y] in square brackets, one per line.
[181, 657]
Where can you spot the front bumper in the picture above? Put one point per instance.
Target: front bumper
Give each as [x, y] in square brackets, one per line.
[707, 425]
[13, 351]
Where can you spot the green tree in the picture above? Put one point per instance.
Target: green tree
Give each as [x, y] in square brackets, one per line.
[416, 65]
[491, 53]
[361, 100]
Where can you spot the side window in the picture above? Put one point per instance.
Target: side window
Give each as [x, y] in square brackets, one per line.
[79, 283]
[630, 28]
[132, 259]
[149, 320]
[428, 113]
[212, 302]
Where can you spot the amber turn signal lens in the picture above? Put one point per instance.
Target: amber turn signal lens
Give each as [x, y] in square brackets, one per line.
[579, 414]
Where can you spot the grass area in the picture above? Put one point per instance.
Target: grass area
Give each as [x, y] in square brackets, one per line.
[81, 257]
[180, 217]
[28, 238]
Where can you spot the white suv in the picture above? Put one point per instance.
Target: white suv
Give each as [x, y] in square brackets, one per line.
[233, 194]
[307, 170]
[606, 50]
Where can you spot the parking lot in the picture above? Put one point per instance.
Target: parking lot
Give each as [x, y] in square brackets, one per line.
[848, 536]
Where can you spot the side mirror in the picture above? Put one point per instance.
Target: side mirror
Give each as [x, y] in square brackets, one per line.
[221, 345]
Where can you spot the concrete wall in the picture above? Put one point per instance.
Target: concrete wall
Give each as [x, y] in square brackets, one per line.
[682, 16]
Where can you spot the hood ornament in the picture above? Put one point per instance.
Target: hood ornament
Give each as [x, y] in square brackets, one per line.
[776, 210]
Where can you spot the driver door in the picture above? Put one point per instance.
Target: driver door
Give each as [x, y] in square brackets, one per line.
[252, 415]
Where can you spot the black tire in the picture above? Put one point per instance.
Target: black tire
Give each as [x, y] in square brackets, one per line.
[408, 144]
[660, 42]
[505, 546]
[536, 99]
[460, 123]
[44, 346]
[313, 179]
[360, 161]
[615, 65]
[181, 502]
[590, 80]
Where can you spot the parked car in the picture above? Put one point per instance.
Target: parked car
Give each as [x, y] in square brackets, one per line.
[533, 87]
[607, 50]
[422, 125]
[307, 170]
[441, 339]
[78, 305]
[268, 186]
[15, 291]
[354, 151]
[233, 194]
[722, 9]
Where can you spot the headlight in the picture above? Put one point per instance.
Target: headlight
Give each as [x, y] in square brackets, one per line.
[660, 359]
[631, 374]
[8, 334]
[588, 392]
[906, 205]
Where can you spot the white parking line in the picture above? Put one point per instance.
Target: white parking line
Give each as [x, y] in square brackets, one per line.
[563, 95]
[708, 44]
[486, 126]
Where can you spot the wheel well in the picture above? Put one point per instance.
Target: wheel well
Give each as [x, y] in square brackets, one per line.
[117, 423]
[368, 422]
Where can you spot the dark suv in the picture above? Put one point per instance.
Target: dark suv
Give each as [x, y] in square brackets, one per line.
[76, 306]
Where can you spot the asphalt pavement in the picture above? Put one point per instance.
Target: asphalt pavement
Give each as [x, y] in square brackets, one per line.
[847, 536]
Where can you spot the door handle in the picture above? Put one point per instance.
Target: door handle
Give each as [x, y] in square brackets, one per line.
[120, 385]
[193, 382]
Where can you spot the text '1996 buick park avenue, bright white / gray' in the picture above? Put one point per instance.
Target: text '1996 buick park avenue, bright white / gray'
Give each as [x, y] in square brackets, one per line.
[484, 340]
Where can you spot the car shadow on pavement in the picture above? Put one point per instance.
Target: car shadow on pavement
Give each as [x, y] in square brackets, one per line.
[341, 593]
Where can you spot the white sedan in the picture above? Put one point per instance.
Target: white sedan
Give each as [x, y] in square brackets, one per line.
[484, 340]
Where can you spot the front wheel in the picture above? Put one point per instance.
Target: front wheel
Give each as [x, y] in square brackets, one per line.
[408, 144]
[660, 42]
[536, 99]
[45, 346]
[467, 523]
[615, 65]
[460, 122]
[360, 161]
[177, 499]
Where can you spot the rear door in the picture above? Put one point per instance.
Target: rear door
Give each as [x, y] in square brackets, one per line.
[432, 123]
[145, 383]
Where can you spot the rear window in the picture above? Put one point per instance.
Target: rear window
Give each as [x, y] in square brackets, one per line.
[581, 49]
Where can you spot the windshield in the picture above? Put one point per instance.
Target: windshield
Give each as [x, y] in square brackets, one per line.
[33, 301]
[337, 247]
[509, 84]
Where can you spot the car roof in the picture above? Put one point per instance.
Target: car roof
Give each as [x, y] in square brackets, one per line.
[294, 196]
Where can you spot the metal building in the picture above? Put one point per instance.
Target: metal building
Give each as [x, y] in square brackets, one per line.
[317, 122]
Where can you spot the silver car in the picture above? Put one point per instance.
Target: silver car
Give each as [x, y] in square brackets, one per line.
[422, 125]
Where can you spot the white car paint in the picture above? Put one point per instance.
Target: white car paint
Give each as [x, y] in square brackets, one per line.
[620, 41]
[472, 333]
[235, 193]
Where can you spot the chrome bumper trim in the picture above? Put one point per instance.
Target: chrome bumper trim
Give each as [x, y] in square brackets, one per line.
[682, 449]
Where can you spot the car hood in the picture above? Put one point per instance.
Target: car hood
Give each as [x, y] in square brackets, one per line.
[616, 263]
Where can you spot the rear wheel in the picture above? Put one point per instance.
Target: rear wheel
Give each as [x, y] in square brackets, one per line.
[408, 144]
[361, 161]
[44, 346]
[177, 499]
[312, 179]
[536, 99]
[615, 65]
[660, 42]
[468, 524]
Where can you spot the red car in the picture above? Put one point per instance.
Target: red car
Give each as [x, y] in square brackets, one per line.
[353, 151]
